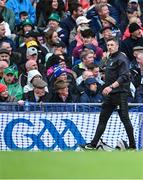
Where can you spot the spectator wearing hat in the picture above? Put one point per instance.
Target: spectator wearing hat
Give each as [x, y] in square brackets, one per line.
[130, 12]
[30, 40]
[132, 20]
[11, 81]
[5, 55]
[62, 73]
[45, 8]
[54, 23]
[15, 57]
[59, 54]
[138, 52]
[106, 33]
[24, 27]
[91, 93]
[6, 100]
[135, 39]
[31, 75]
[38, 94]
[62, 93]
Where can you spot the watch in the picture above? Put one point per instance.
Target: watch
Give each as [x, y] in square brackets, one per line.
[111, 86]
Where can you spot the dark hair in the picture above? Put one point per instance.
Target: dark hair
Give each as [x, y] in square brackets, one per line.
[23, 13]
[113, 39]
[92, 66]
[74, 7]
[87, 33]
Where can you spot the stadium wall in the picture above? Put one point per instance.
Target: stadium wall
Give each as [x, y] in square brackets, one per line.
[61, 131]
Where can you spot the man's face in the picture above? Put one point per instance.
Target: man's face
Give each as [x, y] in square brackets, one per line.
[137, 34]
[89, 59]
[5, 57]
[112, 46]
[27, 28]
[107, 33]
[2, 31]
[104, 11]
[78, 13]
[33, 66]
[33, 57]
[96, 71]
[2, 3]
[39, 91]
[9, 78]
[53, 24]
[63, 92]
[6, 45]
[93, 87]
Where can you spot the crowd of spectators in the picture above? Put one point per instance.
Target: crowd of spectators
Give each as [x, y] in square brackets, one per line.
[55, 50]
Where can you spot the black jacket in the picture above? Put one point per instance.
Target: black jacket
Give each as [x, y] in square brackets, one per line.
[117, 69]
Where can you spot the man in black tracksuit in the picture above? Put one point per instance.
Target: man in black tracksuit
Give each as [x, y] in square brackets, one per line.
[116, 92]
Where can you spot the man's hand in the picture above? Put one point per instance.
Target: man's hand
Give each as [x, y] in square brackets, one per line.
[106, 90]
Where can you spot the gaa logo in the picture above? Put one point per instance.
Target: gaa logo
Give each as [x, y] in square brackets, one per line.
[36, 138]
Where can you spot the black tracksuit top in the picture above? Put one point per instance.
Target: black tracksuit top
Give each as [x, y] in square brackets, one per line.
[117, 69]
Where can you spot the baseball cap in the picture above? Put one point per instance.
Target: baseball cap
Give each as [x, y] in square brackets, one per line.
[9, 70]
[82, 20]
[133, 27]
[133, 1]
[89, 81]
[31, 51]
[90, 46]
[31, 43]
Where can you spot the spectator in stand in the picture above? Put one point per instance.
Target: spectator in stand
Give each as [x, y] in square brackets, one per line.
[32, 74]
[59, 53]
[132, 20]
[100, 11]
[69, 23]
[19, 6]
[91, 92]
[38, 94]
[51, 37]
[130, 12]
[54, 23]
[136, 39]
[106, 33]
[45, 8]
[8, 15]
[25, 26]
[4, 95]
[3, 36]
[65, 75]
[62, 93]
[88, 38]
[3, 65]
[87, 57]
[137, 77]
[5, 56]
[96, 73]
[30, 65]
[15, 57]
[10, 79]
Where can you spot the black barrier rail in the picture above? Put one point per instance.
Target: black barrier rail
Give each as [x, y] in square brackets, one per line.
[61, 107]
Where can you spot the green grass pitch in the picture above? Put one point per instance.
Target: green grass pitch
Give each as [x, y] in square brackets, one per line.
[71, 165]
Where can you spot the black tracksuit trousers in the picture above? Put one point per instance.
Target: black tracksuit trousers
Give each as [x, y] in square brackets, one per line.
[111, 102]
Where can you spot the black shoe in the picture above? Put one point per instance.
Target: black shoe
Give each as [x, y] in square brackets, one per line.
[88, 146]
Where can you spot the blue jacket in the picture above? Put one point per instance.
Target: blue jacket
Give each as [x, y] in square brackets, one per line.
[18, 7]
